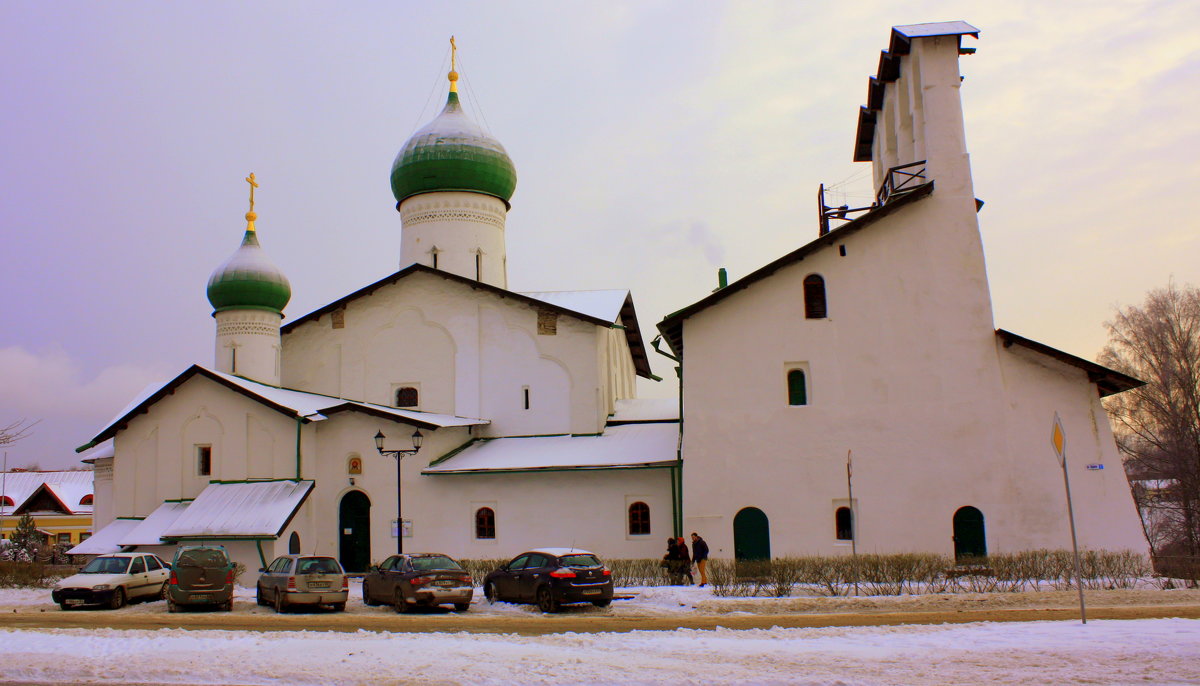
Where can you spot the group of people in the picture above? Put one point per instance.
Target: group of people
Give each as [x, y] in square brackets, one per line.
[678, 561]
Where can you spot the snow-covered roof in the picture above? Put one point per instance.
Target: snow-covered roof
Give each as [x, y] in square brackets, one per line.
[101, 450]
[69, 487]
[149, 531]
[240, 510]
[106, 540]
[604, 305]
[309, 406]
[939, 28]
[645, 410]
[619, 447]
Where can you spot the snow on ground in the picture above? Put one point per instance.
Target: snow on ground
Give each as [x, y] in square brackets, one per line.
[1158, 651]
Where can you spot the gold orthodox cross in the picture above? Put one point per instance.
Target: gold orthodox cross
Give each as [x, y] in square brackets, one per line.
[253, 184]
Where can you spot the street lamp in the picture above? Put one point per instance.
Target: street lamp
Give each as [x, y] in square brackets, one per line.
[417, 439]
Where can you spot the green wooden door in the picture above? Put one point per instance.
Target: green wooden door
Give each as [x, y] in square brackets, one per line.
[354, 531]
[751, 535]
[969, 537]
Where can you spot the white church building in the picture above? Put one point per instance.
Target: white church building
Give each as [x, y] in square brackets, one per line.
[518, 414]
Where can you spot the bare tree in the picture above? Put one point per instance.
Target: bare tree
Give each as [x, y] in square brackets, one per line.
[1157, 426]
[15, 431]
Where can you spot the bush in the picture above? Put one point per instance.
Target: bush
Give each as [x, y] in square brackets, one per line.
[32, 574]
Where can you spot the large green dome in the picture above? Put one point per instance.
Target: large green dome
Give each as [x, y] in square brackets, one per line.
[453, 154]
[249, 280]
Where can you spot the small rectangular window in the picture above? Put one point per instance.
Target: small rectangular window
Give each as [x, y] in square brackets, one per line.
[797, 383]
[525, 396]
[204, 460]
[547, 323]
[64, 539]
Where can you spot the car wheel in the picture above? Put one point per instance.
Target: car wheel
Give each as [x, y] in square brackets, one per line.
[172, 606]
[227, 606]
[462, 607]
[64, 606]
[118, 599]
[367, 600]
[258, 595]
[162, 592]
[339, 607]
[546, 600]
[281, 605]
[400, 603]
[602, 603]
[489, 592]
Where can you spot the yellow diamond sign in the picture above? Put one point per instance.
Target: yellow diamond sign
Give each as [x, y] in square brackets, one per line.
[1058, 439]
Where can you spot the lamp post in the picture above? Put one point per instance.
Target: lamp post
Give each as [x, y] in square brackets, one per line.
[417, 439]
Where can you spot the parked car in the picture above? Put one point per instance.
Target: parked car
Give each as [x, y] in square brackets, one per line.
[425, 579]
[551, 577]
[201, 575]
[113, 580]
[303, 580]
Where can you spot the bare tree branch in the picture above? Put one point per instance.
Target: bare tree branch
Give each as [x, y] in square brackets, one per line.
[16, 431]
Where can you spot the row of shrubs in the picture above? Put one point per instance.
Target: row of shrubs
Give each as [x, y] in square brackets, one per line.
[32, 574]
[909, 573]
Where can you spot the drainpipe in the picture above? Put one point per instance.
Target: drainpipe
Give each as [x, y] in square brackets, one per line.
[676, 470]
[261, 557]
[299, 422]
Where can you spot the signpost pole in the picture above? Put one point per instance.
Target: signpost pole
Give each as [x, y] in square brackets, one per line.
[853, 519]
[1058, 439]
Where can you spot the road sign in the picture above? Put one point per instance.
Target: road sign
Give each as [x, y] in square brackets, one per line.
[1058, 440]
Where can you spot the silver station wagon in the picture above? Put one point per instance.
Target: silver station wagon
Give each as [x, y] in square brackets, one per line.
[292, 580]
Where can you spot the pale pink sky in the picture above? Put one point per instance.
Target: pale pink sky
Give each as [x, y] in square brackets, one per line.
[654, 142]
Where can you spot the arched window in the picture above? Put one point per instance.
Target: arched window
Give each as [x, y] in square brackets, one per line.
[814, 297]
[844, 524]
[485, 523]
[797, 383]
[86, 500]
[294, 544]
[6, 501]
[639, 519]
[407, 396]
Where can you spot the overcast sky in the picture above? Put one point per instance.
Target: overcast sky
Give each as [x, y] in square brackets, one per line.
[654, 142]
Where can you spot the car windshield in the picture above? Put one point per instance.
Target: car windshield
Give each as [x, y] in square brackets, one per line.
[579, 561]
[318, 565]
[202, 557]
[422, 564]
[106, 565]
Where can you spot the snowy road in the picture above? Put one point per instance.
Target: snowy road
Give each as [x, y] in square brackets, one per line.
[1157, 651]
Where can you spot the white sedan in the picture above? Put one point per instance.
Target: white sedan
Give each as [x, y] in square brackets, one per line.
[113, 580]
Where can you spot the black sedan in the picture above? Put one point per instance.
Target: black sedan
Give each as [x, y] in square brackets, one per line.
[551, 577]
[426, 579]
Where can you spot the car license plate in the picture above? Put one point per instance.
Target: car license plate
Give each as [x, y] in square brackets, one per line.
[200, 598]
[592, 591]
[444, 582]
[318, 584]
[74, 601]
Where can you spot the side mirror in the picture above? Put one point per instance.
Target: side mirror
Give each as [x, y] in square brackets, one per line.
[261, 570]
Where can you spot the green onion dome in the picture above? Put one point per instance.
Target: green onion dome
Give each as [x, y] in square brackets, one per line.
[453, 154]
[249, 280]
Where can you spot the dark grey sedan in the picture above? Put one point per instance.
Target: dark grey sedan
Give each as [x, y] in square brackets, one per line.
[551, 577]
[425, 579]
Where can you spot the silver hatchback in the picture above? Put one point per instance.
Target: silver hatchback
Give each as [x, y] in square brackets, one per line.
[312, 580]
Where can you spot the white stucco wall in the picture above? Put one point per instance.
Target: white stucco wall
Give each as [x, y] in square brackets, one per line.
[469, 352]
[465, 229]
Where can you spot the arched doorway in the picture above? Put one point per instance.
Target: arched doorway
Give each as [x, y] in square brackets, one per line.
[969, 538]
[751, 535]
[354, 531]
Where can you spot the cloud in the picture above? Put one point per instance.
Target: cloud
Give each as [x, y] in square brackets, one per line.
[71, 404]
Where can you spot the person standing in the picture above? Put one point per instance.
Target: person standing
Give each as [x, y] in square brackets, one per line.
[685, 561]
[671, 562]
[700, 555]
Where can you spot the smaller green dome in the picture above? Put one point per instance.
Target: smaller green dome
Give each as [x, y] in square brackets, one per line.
[248, 280]
[453, 154]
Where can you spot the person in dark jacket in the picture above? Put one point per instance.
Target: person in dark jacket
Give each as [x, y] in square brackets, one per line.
[671, 562]
[685, 560]
[700, 555]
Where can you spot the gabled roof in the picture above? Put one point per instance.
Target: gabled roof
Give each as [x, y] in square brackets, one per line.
[297, 404]
[67, 487]
[889, 70]
[255, 509]
[1108, 381]
[596, 308]
[672, 325]
[631, 446]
